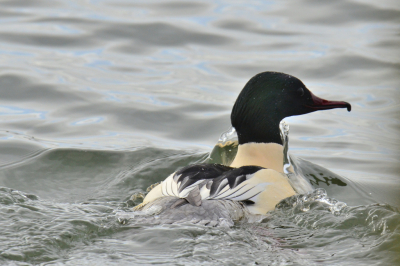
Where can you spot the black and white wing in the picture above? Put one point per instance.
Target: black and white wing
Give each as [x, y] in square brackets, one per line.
[188, 181]
[213, 181]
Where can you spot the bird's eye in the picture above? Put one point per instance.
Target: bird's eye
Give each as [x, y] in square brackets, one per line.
[300, 91]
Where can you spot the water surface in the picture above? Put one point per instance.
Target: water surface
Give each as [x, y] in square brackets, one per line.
[101, 99]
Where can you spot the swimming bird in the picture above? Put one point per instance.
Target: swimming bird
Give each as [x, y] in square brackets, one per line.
[255, 181]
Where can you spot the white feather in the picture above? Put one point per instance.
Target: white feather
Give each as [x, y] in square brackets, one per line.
[205, 192]
[248, 192]
[227, 191]
[167, 186]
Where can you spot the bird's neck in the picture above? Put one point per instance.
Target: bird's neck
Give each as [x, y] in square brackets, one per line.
[258, 131]
[267, 155]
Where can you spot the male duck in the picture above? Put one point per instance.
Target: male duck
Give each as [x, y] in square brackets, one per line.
[254, 183]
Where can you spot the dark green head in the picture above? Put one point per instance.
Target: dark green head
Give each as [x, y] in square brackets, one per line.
[269, 97]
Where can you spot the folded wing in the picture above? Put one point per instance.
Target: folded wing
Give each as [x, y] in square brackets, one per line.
[213, 181]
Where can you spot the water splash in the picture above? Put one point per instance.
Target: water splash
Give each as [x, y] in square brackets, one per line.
[123, 217]
[284, 131]
[229, 135]
[304, 202]
[226, 148]
[298, 181]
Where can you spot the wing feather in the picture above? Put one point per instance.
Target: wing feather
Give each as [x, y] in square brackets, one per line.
[264, 187]
[212, 181]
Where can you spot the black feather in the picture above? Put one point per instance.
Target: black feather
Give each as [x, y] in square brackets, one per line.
[219, 175]
[193, 173]
[235, 177]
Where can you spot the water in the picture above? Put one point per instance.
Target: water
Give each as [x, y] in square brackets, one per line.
[101, 99]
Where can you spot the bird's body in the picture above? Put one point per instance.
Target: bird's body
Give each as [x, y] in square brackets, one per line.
[255, 181]
[168, 210]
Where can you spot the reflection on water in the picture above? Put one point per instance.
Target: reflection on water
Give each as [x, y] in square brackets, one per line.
[101, 99]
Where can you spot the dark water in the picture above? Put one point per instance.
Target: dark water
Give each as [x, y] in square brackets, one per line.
[101, 99]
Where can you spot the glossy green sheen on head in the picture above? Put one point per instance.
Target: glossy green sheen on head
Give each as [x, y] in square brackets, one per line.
[269, 97]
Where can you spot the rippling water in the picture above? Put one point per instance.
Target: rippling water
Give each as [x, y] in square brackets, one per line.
[101, 99]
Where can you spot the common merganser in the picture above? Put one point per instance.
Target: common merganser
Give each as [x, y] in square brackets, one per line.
[255, 181]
